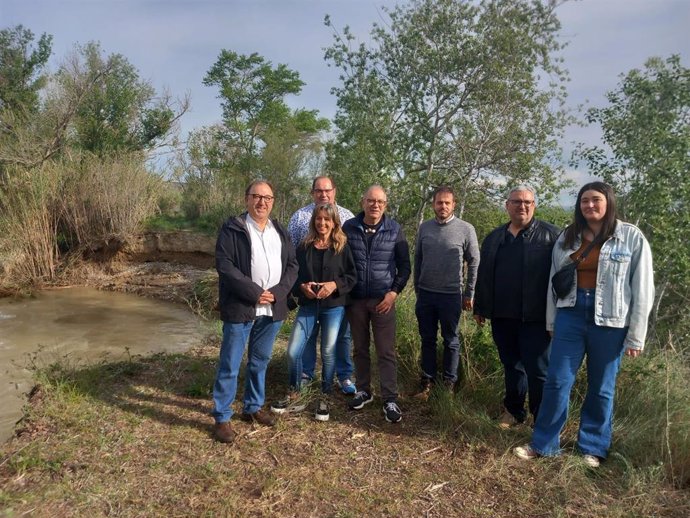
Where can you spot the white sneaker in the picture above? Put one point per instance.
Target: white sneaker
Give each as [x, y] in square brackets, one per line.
[591, 460]
[525, 452]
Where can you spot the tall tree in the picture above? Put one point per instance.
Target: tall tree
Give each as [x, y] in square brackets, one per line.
[120, 111]
[454, 92]
[646, 127]
[252, 94]
[22, 68]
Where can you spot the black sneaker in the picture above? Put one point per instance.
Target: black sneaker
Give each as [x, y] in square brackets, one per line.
[323, 411]
[361, 398]
[391, 412]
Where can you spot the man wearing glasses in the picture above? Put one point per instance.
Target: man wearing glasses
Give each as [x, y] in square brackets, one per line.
[323, 191]
[444, 245]
[382, 257]
[512, 285]
[256, 270]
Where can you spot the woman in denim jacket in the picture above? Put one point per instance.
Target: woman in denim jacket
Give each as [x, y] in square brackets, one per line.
[604, 316]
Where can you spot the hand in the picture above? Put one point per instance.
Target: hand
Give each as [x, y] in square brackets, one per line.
[266, 298]
[634, 353]
[467, 303]
[479, 320]
[306, 288]
[327, 288]
[386, 303]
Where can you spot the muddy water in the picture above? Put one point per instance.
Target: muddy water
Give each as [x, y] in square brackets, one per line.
[82, 325]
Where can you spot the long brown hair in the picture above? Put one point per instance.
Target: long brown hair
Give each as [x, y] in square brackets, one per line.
[579, 224]
[338, 237]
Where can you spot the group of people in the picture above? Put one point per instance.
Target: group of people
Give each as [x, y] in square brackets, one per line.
[345, 272]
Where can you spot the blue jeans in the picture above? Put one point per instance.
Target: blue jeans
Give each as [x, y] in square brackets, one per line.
[330, 320]
[433, 309]
[261, 333]
[576, 335]
[343, 353]
[524, 351]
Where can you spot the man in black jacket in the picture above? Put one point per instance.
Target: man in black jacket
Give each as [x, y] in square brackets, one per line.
[256, 270]
[512, 282]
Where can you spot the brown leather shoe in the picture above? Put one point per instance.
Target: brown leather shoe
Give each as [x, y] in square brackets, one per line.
[261, 417]
[223, 432]
[424, 391]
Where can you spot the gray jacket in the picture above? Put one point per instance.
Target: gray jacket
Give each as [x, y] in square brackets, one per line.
[625, 283]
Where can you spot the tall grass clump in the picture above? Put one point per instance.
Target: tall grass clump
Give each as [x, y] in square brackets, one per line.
[66, 207]
[106, 199]
[28, 224]
[652, 424]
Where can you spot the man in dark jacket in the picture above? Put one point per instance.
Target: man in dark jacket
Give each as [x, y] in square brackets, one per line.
[256, 270]
[512, 282]
[382, 257]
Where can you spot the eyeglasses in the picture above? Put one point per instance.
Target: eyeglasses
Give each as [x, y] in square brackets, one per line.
[322, 191]
[376, 202]
[258, 197]
[517, 203]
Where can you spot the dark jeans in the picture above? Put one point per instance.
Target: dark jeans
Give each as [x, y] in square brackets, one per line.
[433, 309]
[362, 315]
[524, 349]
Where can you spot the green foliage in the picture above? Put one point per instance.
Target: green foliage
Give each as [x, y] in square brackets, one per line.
[119, 111]
[646, 126]
[260, 137]
[22, 65]
[449, 93]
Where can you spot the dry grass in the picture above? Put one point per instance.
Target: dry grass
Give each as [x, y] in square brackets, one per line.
[134, 439]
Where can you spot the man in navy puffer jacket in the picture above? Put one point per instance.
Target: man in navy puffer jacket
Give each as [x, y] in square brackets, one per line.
[382, 257]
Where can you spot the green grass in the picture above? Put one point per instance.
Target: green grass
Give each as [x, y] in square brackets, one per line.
[208, 226]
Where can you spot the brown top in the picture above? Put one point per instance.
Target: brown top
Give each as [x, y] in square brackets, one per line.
[587, 269]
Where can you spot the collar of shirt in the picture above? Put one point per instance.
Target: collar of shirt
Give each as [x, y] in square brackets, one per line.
[253, 223]
[445, 221]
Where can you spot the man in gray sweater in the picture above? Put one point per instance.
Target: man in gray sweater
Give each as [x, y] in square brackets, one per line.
[444, 244]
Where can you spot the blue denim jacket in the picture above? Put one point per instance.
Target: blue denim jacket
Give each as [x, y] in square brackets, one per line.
[625, 283]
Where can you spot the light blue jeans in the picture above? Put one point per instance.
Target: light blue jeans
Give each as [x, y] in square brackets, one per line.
[343, 353]
[576, 336]
[261, 333]
[330, 320]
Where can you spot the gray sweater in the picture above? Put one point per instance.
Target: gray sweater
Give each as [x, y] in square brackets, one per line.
[441, 250]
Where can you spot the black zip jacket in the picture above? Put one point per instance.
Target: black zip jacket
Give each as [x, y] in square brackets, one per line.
[339, 268]
[538, 239]
[237, 293]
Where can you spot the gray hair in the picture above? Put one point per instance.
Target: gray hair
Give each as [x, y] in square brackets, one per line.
[522, 187]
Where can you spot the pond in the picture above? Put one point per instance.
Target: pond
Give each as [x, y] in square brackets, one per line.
[80, 326]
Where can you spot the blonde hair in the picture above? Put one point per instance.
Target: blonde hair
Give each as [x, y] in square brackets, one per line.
[338, 237]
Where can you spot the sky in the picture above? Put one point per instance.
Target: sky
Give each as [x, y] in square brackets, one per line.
[173, 43]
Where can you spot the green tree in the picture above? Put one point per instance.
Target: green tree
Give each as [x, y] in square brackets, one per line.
[22, 68]
[252, 94]
[646, 127]
[451, 92]
[260, 136]
[119, 111]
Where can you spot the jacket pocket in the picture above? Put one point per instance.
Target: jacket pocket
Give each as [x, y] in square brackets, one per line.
[619, 262]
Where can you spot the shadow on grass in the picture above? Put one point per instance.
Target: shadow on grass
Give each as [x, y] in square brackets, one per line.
[175, 390]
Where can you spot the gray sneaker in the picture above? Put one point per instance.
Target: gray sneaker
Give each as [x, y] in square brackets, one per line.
[292, 403]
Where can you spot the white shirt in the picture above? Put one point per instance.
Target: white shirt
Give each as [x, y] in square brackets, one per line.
[267, 266]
